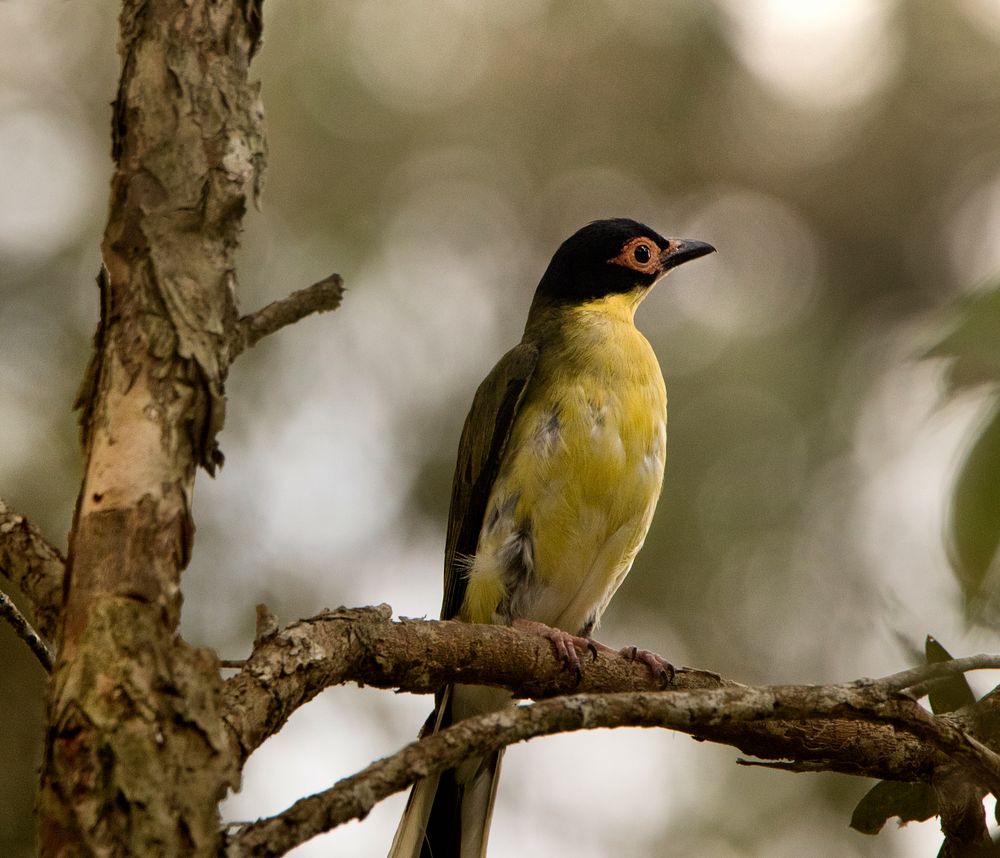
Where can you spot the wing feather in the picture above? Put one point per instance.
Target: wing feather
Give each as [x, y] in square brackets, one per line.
[480, 452]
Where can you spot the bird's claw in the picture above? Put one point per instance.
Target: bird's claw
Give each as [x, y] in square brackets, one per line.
[660, 667]
[565, 644]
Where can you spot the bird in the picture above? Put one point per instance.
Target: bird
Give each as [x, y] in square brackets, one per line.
[559, 470]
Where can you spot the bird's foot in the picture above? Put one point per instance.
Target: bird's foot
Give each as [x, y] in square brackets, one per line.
[660, 667]
[566, 645]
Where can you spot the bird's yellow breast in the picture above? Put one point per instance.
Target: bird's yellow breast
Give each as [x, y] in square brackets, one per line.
[579, 481]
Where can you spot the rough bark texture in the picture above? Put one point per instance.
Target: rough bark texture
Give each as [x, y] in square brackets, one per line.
[136, 752]
[697, 712]
[873, 728]
[960, 804]
[365, 645]
[34, 566]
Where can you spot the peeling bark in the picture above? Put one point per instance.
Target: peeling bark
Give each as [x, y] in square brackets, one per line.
[135, 758]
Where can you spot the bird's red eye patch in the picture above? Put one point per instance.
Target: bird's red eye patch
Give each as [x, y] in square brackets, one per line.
[639, 254]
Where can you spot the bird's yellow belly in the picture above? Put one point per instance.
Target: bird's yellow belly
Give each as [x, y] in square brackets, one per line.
[574, 499]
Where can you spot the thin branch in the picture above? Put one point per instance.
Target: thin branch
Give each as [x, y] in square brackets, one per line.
[36, 568]
[354, 796]
[916, 680]
[784, 765]
[685, 711]
[17, 620]
[318, 298]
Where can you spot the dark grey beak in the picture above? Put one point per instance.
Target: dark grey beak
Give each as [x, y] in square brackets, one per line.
[681, 250]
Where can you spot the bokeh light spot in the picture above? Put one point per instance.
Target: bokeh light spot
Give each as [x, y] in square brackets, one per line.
[985, 14]
[822, 54]
[417, 57]
[48, 182]
[765, 275]
[975, 234]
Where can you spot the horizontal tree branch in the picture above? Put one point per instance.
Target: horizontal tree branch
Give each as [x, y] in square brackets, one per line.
[365, 645]
[695, 712]
[321, 297]
[835, 728]
[36, 568]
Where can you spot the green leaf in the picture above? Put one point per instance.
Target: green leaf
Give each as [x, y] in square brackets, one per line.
[975, 525]
[946, 695]
[973, 343]
[972, 347]
[910, 802]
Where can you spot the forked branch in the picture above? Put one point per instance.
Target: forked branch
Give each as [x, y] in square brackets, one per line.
[698, 712]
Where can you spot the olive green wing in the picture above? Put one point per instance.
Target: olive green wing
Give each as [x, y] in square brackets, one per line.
[480, 452]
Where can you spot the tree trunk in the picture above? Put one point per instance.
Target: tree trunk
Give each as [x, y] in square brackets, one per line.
[136, 756]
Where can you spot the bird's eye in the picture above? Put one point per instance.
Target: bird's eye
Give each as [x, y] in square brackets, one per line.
[641, 254]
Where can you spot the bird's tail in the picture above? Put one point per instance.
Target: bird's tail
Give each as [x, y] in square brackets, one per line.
[448, 815]
[446, 820]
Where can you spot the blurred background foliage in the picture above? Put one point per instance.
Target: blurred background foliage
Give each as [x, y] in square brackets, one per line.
[844, 157]
[972, 347]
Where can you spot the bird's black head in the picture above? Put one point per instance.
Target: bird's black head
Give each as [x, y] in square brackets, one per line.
[613, 256]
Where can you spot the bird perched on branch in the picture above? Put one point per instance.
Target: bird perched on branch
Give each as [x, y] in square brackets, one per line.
[559, 469]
